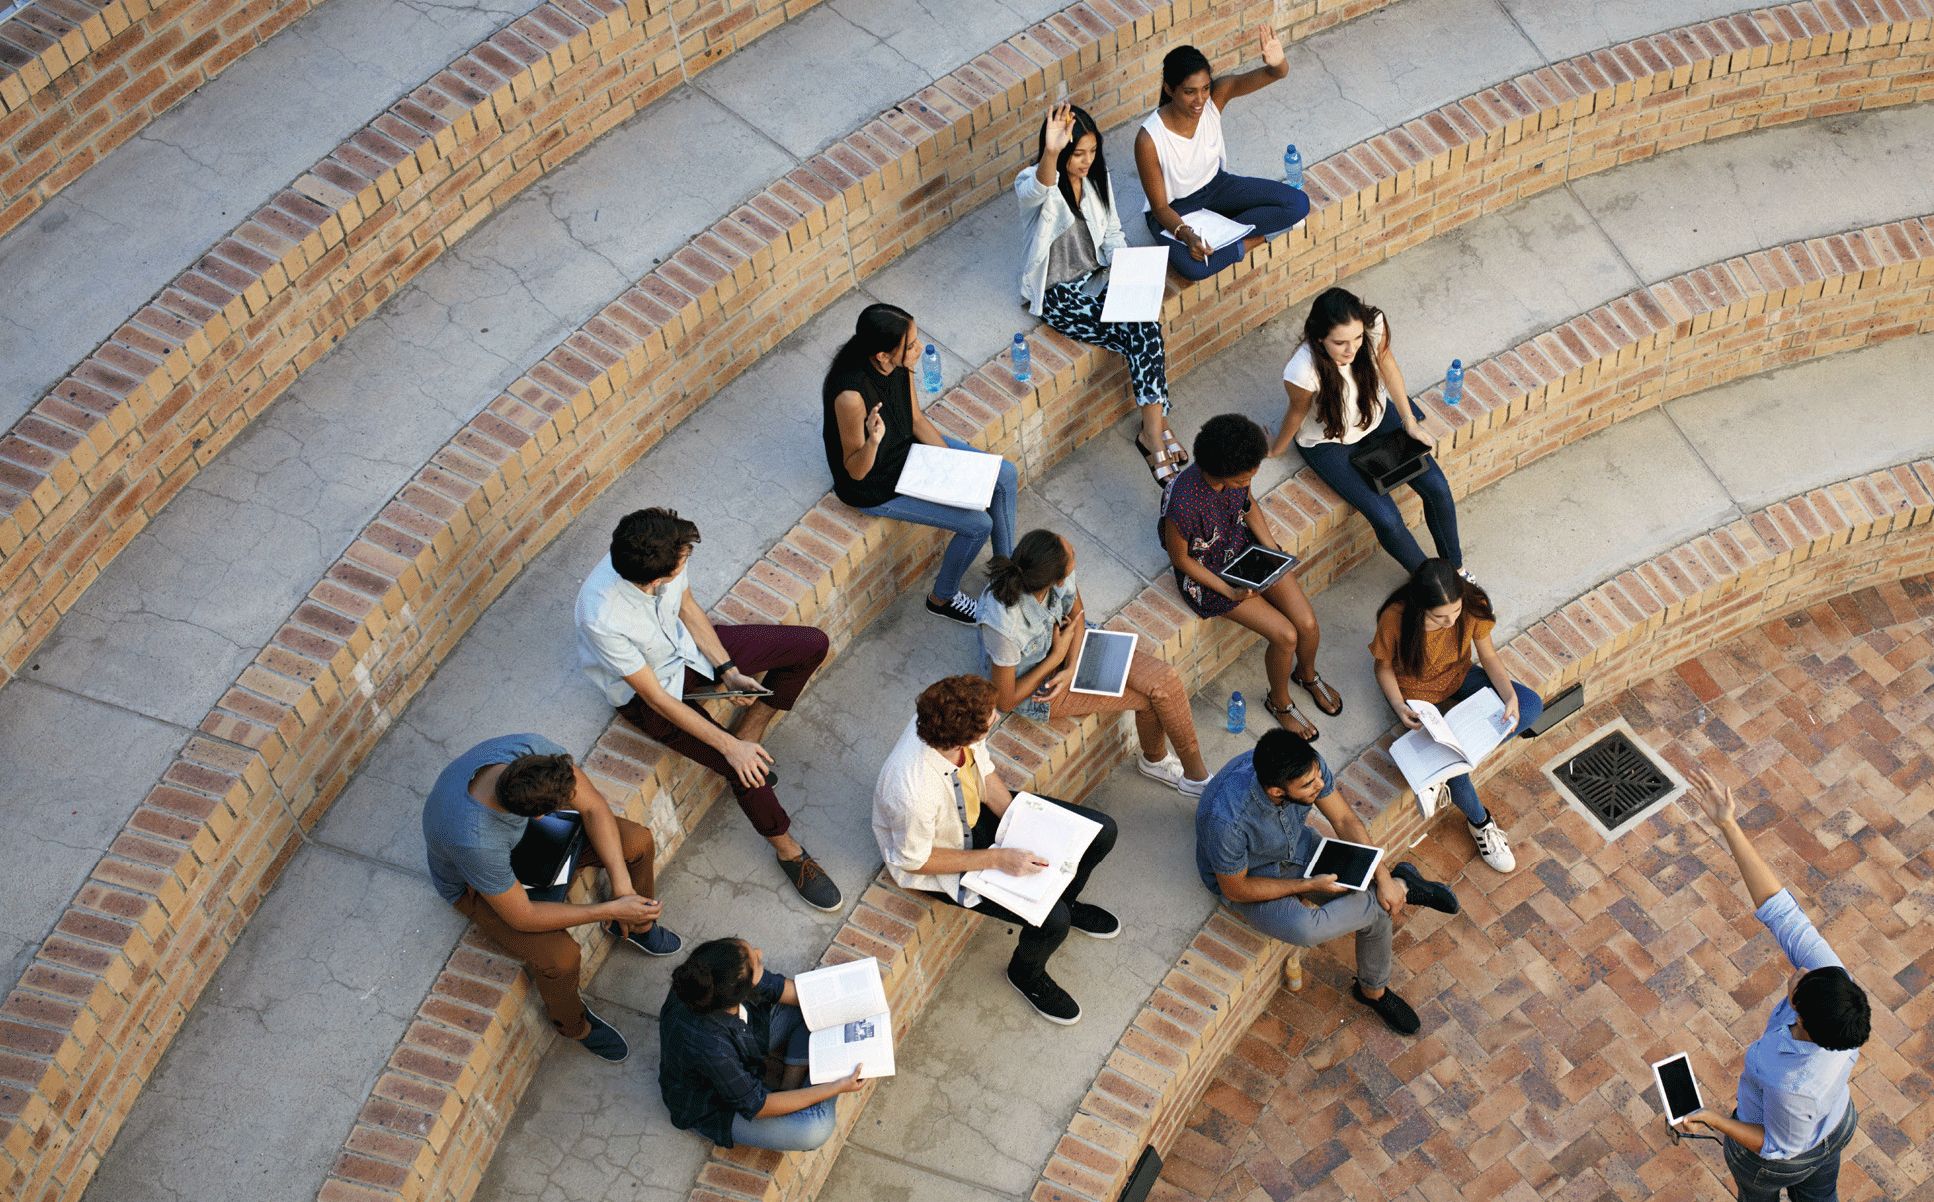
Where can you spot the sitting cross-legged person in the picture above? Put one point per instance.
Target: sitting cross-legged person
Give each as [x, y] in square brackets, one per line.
[1253, 844]
[477, 813]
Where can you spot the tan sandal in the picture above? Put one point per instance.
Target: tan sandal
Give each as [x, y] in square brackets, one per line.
[1288, 714]
[1163, 466]
[1176, 453]
[1326, 698]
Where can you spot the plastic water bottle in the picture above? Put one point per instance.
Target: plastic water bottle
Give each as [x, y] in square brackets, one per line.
[1293, 166]
[930, 370]
[1454, 382]
[1023, 360]
[1238, 713]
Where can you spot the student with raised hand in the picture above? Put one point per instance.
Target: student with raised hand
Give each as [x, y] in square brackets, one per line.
[1070, 234]
[648, 645]
[1427, 632]
[1344, 358]
[1253, 844]
[479, 810]
[1031, 622]
[733, 1054]
[871, 422]
[936, 813]
[1183, 162]
[1795, 1114]
[1208, 519]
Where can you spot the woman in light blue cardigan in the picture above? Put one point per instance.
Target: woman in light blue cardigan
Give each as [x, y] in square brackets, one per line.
[1061, 264]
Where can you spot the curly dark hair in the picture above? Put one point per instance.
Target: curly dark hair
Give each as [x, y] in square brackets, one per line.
[647, 543]
[954, 712]
[717, 976]
[531, 786]
[1228, 445]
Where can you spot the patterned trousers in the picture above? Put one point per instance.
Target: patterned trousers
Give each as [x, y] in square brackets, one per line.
[1074, 313]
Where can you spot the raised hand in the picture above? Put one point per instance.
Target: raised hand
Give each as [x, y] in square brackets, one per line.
[1716, 799]
[1059, 129]
[1272, 48]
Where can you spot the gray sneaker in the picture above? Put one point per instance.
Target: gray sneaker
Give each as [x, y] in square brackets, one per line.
[812, 883]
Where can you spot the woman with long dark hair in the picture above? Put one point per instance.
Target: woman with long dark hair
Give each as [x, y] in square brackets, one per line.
[1183, 162]
[871, 423]
[1031, 619]
[733, 1054]
[1344, 386]
[1427, 632]
[1070, 234]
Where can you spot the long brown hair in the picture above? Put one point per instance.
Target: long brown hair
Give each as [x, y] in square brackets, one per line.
[1434, 583]
[1340, 306]
[1040, 559]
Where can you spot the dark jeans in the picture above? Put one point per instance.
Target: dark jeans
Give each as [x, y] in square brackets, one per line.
[1036, 944]
[788, 655]
[1530, 705]
[1812, 1176]
[1331, 461]
[1272, 206]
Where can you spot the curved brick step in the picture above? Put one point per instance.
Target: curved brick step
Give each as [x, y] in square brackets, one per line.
[107, 447]
[1864, 536]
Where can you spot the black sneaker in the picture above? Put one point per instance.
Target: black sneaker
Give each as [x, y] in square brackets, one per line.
[656, 942]
[603, 1040]
[959, 608]
[1431, 895]
[1049, 1000]
[812, 883]
[1393, 1010]
[1093, 921]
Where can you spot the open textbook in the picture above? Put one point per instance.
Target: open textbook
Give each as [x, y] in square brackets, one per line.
[844, 1006]
[1212, 227]
[1449, 744]
[946, 476]
[1053, 833]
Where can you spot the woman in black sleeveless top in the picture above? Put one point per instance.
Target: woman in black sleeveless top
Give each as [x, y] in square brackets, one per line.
[870, 424]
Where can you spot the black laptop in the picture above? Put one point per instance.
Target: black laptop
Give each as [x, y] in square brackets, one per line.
[1389, 458]
[541, 857]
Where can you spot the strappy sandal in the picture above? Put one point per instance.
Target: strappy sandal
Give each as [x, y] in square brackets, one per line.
[1178, 456]
[1326, 698]
[1163, 466]
[1287, 714]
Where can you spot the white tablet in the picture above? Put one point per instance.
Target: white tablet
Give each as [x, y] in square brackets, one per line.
[1678, 1090]
[1353, 863]
[1101, 667]
[1258, 568]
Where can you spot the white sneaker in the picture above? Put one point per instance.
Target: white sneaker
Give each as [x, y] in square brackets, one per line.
[1427, 799]
[1493, 846]
[1170, 772]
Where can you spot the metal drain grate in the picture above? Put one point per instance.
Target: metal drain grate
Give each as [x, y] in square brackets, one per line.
[1614, 780]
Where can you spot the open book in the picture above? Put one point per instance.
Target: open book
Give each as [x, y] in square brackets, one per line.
[1215, 229]
[945, 476]
[1051, 832]
[1450, 744]
[844, 1006]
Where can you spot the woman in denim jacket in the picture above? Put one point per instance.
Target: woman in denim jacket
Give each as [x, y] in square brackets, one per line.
[1031, 619]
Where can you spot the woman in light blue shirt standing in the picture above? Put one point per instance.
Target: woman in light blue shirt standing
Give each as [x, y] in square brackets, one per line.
[1031, 619]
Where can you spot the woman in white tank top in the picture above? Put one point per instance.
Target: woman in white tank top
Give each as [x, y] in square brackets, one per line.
[1183, 162]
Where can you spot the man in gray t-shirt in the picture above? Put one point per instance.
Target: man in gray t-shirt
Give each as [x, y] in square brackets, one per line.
[478, 810]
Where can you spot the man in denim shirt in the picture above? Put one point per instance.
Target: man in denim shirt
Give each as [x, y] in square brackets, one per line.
[1253, 843]
[1795, 1114]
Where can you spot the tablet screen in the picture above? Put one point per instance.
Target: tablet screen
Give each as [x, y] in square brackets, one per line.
[1675, 1080]
[1103, 666]
[1351, 862]
[1255, 565]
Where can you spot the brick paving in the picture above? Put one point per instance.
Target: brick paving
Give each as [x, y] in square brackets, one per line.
[1546, 1000]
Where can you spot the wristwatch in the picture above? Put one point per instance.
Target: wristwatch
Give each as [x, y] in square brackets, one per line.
[725, 667]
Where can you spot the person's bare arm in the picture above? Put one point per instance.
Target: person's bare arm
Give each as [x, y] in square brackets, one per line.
[1717, 800]
[1241, 887]
[1391, 893]
[1295, 413]
[1148, 165]
[1750, 1136]
[520, 913]
[860, 431]
[923, 428]
[1493, 665]
[1188, 565]
[791, 1101]
[1387, 681]
[1393, 383]
[1274, 67]
[1260, 527]
[699, 623]
[748, 760]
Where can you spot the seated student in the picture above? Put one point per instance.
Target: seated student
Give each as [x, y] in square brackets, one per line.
[1031, 619]
[936, 809]
[1426, 632]
[733, 1054]
[477, 812]
[1062, 259]
[1183, 163]
[1208, 519]
[1253, 844]
[871, 422]
[1795, 1114]
[646, 642]
[1345, 356]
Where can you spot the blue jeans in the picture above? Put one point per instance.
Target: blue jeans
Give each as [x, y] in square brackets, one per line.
[1812, 1176]
[1288, 920]
[1272, 206]
[970, 526]
[1331, 462]
[802, 1130]
[1530, 705]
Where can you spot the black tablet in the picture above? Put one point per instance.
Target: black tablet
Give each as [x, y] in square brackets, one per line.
[1353, 863]
[1102, 665]
[1258, 568]
[1678, 1091]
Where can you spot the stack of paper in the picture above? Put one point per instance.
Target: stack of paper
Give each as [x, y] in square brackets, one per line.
[945, 476]
[1052, 833]
[1212, 227]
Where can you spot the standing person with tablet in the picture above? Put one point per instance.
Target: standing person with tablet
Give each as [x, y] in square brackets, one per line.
[1426, 633]
[871, 422]
[1208, 521]
[1795, 1114]
[1340, 383]
[1254, 850]
[1031, 627]
[1183, 163]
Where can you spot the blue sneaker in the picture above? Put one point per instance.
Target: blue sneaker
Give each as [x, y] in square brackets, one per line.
[656, 942]
[603, 1040]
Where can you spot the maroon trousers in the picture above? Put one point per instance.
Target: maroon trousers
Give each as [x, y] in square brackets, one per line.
[788, 655]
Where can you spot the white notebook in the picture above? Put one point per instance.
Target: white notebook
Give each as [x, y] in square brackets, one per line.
[1449, 744]
[844, 1006]
[1055, 834]
[1136, 277]
[963, 479]
[1214, 228]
